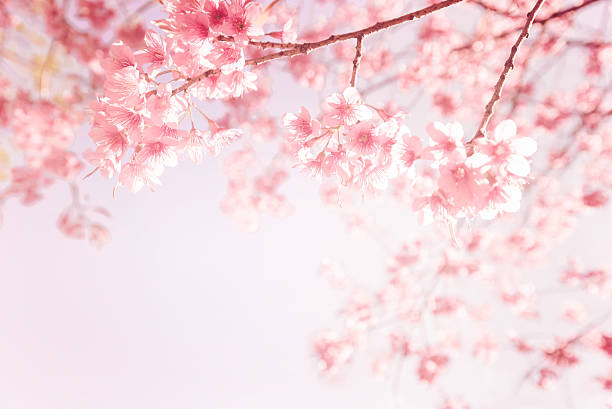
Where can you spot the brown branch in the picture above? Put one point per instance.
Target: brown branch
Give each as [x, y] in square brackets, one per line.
[523, 87]
[272, 44]
[260, 44]
[305, 48]
[541, 21]
[507, 67]
[357, 60]
[588, 44]
[563, 12]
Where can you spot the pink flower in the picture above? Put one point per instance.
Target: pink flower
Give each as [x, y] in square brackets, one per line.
[332, 351]
[195, 143]
[288, 35]
[64, 164]
[155, 52]
[505, 151]
[435, 207]
[447, 103]
[217, 13]
[363, 138]
[430, 365]
[595, 199]
[502, 198]
[109, 139]
[135, 176]
[408, 150]
[301, 126]
[72, 224]
[121, 56]
[193, 27]
[168, 132]
[561, 356]
[126, 86]
[227, 56]
[96, 12]
[606, 344]
[243, 20]
[238, 83]
[463, 185]
[372, 178]
[447, 141]
[98, 235]
[108, 165]
[159, 153]
[606, 382]
[126, 120]
[220, 138]
[545, 377]
[345, 108]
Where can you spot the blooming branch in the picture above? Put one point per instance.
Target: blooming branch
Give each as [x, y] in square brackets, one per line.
[304, 48]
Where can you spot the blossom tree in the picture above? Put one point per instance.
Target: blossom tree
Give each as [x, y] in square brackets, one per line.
[514, 149]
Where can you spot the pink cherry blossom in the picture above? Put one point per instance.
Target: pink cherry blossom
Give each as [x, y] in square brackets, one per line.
[135, 176]
[462, 150]
[345, 108]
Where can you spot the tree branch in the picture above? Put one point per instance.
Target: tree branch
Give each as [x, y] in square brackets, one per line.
[507, 67]
[541, 21]
[260, 44]
[305, 48]
[357, 60]
[563, 12]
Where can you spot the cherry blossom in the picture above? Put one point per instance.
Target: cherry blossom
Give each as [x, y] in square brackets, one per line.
[486, 145]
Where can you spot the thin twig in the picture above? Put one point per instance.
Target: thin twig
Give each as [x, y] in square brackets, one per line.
[272, 44]
[563, 12]
[541, 21]
[357, 60]
[260, 44]
[507, 67]
[522, 86]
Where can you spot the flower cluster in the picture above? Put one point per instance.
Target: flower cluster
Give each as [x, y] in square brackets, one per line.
[138, 124]
[484, 177]
[349, 142]
[365, 148]
[437, 307]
